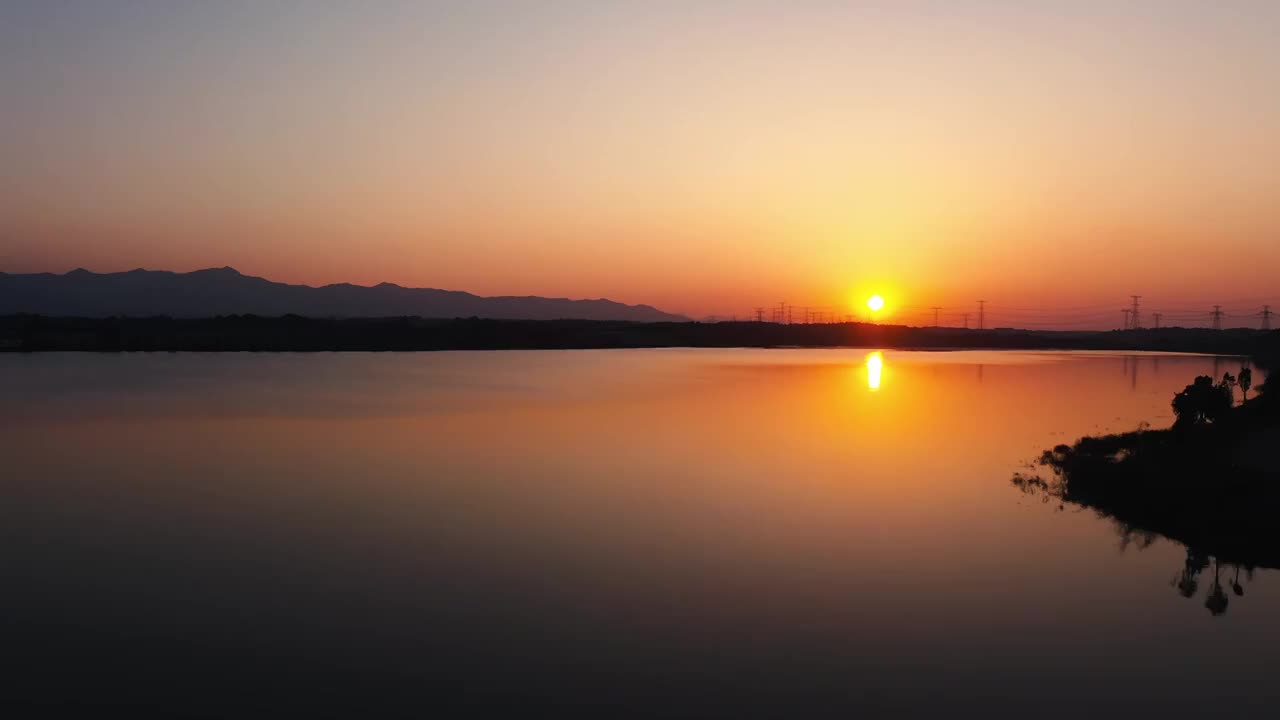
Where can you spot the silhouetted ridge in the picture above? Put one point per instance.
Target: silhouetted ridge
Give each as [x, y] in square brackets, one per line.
[226, 291]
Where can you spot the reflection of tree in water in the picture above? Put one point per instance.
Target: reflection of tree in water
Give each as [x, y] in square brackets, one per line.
[1216, 600]
[1188, 580]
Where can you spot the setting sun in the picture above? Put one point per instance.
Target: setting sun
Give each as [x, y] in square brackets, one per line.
[876, 303]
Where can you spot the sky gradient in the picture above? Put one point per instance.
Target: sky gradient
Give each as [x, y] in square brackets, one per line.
[701, 157]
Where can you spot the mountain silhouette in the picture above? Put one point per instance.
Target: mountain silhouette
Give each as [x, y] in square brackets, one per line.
[225, 291]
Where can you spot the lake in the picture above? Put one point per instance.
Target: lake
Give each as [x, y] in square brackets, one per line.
[665, 532]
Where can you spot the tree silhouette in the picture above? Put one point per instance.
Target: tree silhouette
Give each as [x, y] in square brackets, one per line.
[1202, 401]
[1245, 380]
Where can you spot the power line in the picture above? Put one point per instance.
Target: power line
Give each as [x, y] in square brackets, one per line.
[989, 315]
[1068, 308]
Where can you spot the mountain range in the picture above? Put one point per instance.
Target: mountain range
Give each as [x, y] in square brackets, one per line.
[225, 291]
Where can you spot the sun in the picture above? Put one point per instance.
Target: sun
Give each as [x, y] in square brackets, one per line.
[876, 303]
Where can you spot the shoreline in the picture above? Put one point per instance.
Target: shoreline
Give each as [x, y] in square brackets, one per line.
[248, 333]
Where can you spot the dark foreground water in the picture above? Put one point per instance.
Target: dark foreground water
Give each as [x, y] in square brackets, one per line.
[658, 532]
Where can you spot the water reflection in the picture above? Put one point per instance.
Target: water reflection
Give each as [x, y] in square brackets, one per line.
[875, 365]
[502, 525]
[1187, 582]
[1216, 601]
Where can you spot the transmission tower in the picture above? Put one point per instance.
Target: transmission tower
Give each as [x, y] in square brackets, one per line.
[1135, 317]
[1217, 317]
[1266, 317]
[935, 310]
[759, 314]
[982, 314]
[1156, 317]
[966, 321]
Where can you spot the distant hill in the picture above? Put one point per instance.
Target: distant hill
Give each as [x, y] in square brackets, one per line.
[224, 291]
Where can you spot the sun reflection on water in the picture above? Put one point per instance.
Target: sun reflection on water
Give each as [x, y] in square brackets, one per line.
[875, 363]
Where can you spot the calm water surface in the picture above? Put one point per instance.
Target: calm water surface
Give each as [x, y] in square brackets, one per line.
[674, 531]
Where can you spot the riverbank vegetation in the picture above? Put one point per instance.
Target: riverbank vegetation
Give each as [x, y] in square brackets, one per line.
[1210, 482]
[293, 333]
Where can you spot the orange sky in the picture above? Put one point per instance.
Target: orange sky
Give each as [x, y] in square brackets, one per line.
[705, 159]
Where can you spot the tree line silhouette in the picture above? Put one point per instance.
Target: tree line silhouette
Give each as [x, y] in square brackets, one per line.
[293, 333]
